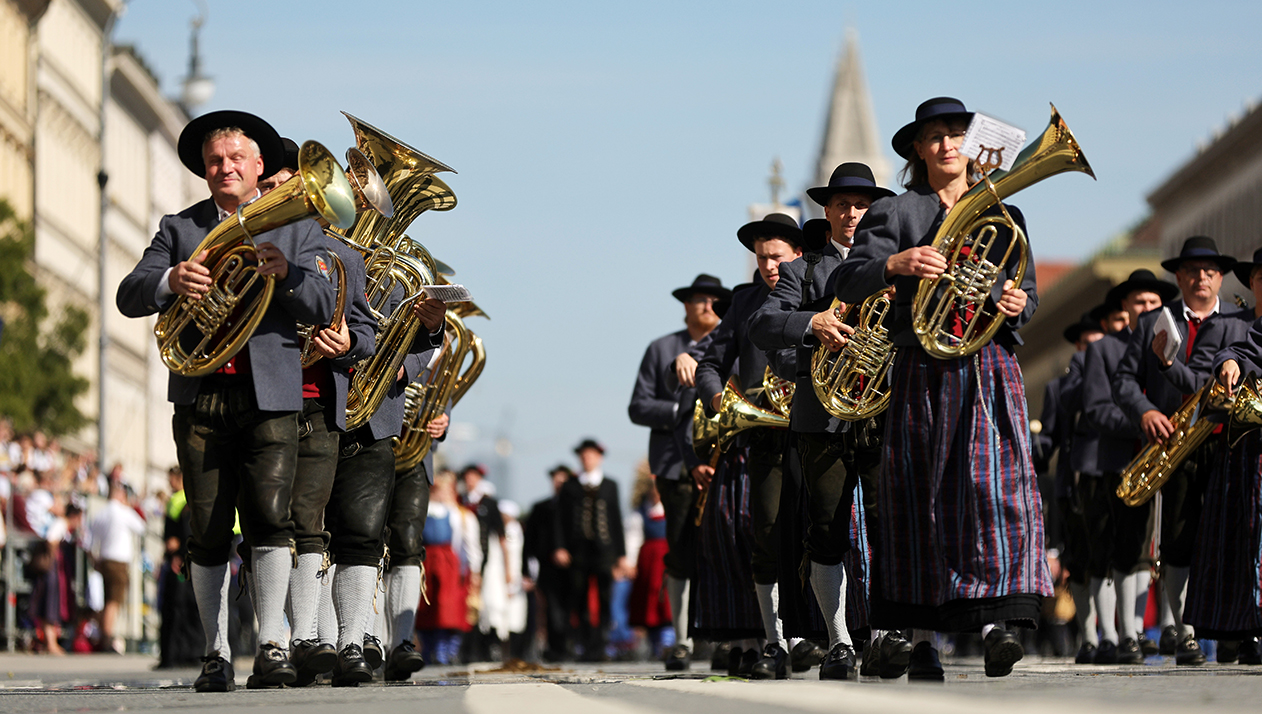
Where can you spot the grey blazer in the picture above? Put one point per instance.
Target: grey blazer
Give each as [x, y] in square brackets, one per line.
[902, 222]
[1247, 351]
[1081, 448]
[658, 402]
[359, 322]
[728, 347]
[1118, 434]
[274, 348]
[784, 322]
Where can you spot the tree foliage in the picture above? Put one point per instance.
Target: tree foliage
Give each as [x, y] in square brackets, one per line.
[38, 385]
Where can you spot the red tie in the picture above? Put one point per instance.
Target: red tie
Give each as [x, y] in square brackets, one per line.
[1194, 323]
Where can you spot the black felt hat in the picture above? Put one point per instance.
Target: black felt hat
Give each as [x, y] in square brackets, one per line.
[589, 444]
[271, 148]
[936, 108]
[1199, 248]
[773, 225]
[707, 284]
[291, 154]
[850, 177]
[1244, 269]
[815, 234]
[1089, 322]
[1142, 279]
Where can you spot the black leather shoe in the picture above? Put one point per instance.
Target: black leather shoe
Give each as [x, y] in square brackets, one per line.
[1188, 653]
[1148, 647]
[216, 676]
[774, 664]
[1250, 652]
[1228, 651]
[894, 654]
[271, 668]
[924, 665]
[311, 659]
[839, 663]
[870, 662]
[374, 655]
[1003, 649]
[748, 659]
[734, 661]
[1169, 641]
[720, 660]
[1106, 653]
[678, 658]
[807, 654]
[351, 669]
[1128, 652]
[402, 662]
[1086, 653]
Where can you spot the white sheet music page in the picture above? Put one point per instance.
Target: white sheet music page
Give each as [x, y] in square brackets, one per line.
[448, 293]
[1165, 323]
[990, 141]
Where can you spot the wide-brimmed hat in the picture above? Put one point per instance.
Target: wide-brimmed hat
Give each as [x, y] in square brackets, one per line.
[1087, 323]
[706, 284]
[589, 444]
[850, 177]
[773, 225]
[1142, 279]
[936, 108]
[291, 154]
[1199, 248]
[480, 468]
[1244, 268]
[569, 472]
[815, 234]
[271, 147]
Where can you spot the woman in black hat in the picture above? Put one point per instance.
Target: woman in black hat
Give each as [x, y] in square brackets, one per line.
[960, 542]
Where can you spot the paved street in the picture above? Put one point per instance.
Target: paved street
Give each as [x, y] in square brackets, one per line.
[126, 683]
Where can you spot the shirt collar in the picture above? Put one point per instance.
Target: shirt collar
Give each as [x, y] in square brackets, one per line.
[843, 249]
[224, 214]
[591, 478]
[1188, 314]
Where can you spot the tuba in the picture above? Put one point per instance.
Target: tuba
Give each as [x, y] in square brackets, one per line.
[1152, 467]
[851, 383]
[967, 238]
[779, 391]
[196, 337]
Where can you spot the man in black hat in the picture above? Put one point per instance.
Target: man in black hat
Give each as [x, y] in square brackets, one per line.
[236, 431]
[590, 543]
[542, 577]
[797, 315]
[774, 240]
[1150, 386]
[662, 400]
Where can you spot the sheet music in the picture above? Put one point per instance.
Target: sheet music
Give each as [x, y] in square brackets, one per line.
[1165, 323]
[448, 293]
[989, 140]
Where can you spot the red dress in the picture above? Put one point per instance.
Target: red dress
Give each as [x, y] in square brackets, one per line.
[649, 606]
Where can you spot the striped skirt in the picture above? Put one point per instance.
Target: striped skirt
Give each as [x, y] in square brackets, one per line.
[961, 524]
[724, 604]
[1224, 591]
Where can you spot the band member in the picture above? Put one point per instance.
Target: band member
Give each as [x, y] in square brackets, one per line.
[236, 431]
[960, 544]
[1119, 561]
[1149, 388]
[590, 543]
[1223, 605]
[662, 400]
[797, 315]
[773, 240]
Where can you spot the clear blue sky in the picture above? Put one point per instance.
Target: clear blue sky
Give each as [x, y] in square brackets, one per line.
[607, 152]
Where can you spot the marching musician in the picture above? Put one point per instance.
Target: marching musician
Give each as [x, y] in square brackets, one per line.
[798, 315]
[773, 240]
[1150, 388]
[956, 469]
[662, 400]
[236, 431]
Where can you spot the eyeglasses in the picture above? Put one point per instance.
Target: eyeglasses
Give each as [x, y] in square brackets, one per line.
[956, 137]
[699, 299]
[1210, 269]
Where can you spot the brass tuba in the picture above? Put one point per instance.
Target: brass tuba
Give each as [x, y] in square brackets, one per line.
[779, 391]
[196, 337]
[851, 383]
[967, 238]
[1152, 467]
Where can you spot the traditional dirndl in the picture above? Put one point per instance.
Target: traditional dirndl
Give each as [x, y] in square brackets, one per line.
[961, 523]
[648, 605]
[723, 602]
[446, 589]
[1225, 588]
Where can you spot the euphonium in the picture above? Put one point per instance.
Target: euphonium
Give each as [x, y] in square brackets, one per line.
[307, 333]
[196, 337]
[425, 401]
[779, 391]
[1152, 467]
[967, 238]
[851, 382]
[735, 415]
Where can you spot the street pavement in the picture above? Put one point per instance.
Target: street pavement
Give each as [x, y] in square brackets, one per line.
[101, 683]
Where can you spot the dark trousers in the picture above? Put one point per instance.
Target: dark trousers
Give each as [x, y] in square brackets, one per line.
[554, 589]
[235, 456]
[766, 475]
[679, 499]
[409, 506]
[830, 496]
[1076, 531]
[1182, 499]
[591, 634]
[1120, 535]
[356, 514]
[313, 479]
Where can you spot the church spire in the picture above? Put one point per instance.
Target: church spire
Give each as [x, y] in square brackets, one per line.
[850, 132]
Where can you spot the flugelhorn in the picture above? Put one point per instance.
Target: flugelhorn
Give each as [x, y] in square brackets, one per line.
[712, 435]
[196, 337]
[779, 391]
[968, 237]
[851, 383]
